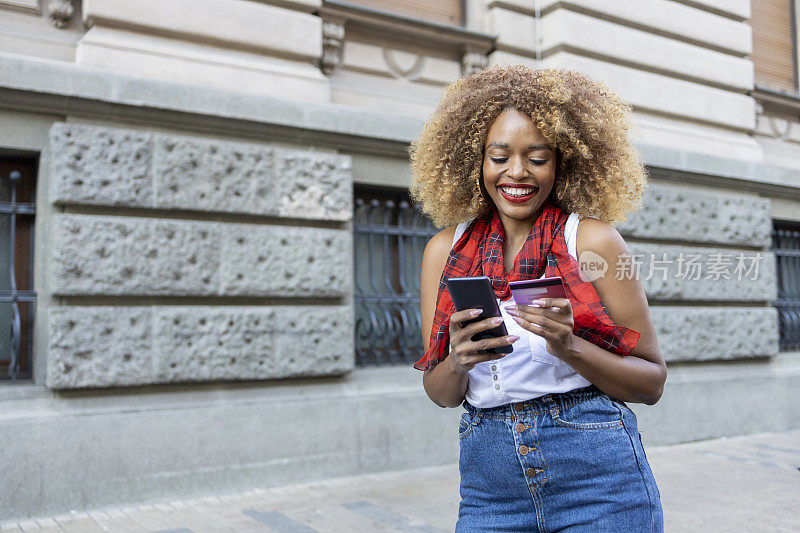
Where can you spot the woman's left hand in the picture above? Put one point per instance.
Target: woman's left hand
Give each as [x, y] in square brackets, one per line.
[553, 321]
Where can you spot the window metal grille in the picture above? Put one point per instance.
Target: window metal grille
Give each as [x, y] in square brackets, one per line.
[17, 298]
[390, 237]
[786, 247]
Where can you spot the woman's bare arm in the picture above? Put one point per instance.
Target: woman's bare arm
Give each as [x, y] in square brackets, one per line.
[640, 376]
[446, 383]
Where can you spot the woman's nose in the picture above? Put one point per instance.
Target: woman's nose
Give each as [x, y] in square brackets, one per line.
[516, 168]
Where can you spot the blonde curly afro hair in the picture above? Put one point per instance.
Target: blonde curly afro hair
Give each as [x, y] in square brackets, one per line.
[598, 172]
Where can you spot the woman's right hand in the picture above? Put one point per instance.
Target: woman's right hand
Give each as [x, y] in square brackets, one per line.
[466, 353]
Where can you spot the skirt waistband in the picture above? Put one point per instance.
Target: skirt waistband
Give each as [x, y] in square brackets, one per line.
[560, 400]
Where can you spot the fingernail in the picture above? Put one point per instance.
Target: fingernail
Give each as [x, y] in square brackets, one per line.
[497, 320]
[519, 320]
[512, 338]
[475, 312]
[538, 302]
[511, 307]
[512, 312]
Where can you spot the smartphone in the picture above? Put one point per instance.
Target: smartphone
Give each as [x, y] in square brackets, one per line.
[525, 292]
[477, 293]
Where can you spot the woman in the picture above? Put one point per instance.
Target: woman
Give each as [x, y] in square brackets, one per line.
[527, 170]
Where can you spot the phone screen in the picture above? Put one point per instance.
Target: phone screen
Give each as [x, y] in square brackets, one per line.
[476, 292]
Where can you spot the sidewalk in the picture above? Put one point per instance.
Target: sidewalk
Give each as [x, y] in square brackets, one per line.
[749, 483]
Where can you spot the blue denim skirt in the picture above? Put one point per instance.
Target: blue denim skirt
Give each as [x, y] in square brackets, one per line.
[571, 461]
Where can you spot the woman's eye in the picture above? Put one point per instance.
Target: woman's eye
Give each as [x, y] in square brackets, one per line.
[498, 159]
[538, 161]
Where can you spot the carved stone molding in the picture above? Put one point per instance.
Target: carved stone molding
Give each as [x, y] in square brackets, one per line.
[403, 64]
[400, 30]
[60, 12]
[25, 6]
[332, 42]
[472, 62]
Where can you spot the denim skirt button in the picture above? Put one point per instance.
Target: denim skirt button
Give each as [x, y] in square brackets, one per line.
[520, 427]
[523, 450]
[530, 472]
[519, 406]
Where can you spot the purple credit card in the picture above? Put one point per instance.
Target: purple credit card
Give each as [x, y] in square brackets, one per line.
[525, 292]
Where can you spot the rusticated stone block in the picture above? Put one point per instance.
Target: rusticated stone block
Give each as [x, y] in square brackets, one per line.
[314, 185]
[205, 343]
[707, 333]
[678, 213]
[102, 166]
[198, 174]
[95, 255]
[109, 166]
[99, 347]
[286, 261]
[689, 273]
[118, 346]
[121, 255]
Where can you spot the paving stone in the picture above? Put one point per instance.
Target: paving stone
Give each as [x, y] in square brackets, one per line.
[102, 166]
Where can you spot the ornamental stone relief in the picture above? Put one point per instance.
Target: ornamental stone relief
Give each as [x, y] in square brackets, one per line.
[332, 41]
[60, 12]
[403, 64]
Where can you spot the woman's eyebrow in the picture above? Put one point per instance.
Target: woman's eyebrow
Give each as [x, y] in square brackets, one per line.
[540, 146]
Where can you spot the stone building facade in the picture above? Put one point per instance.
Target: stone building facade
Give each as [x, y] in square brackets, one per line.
[193, 166]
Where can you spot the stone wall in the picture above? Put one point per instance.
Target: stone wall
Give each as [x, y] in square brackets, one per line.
[719, 310]
[284, 238]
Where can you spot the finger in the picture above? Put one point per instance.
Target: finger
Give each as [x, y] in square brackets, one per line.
[528, 313]
[488, 344]
[562, 305]
[483, 325]
[464, 315]
[528, 325]
[543, 324]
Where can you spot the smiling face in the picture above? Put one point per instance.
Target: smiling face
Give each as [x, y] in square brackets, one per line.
[519, 169]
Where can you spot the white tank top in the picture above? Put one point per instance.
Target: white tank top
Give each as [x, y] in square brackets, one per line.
[530, 370]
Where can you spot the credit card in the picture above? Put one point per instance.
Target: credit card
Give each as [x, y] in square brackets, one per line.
[525, 292]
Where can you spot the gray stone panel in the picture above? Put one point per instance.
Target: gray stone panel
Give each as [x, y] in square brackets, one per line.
[199, 174]
[314, 185]
[708, 333]
[134, 256]
[692, 273]
[677, 213]
[99, 347]
[95, 255]
[108, 166]
[203, 343]
[118, 346]
[103, 166]
[285, 261]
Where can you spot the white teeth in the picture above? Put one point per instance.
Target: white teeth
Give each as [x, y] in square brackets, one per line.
[514, 191]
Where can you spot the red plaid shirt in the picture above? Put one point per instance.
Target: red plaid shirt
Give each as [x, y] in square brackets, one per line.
[479, 252]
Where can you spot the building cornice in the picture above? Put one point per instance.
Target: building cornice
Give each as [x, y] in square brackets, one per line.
[51, 87]
[394, 26]
[777, 100]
